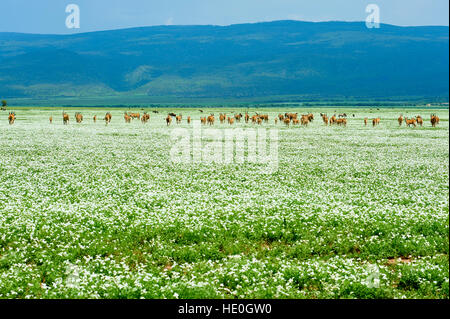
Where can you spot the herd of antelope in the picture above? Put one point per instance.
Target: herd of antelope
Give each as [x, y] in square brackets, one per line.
[418, 120]
[287, 119]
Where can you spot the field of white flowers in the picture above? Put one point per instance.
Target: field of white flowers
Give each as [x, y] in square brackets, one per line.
[95, 211]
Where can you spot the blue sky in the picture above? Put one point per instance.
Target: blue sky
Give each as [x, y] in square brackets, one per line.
[48, 16]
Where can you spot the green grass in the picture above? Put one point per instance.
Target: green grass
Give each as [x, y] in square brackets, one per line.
[95, 211]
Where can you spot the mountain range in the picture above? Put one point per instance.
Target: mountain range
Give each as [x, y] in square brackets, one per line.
[280, 58]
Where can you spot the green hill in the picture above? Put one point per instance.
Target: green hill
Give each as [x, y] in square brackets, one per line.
[281, 58]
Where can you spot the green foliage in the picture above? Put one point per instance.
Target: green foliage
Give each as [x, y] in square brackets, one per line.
[95, 211]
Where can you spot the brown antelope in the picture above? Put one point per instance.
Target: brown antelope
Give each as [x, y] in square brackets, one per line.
[259, 120]
[178, 118]
[168, 120]
[400, 120]
[291, 116]
[127, 117]
[419, 120]
[365, 121]
[189, 120]
[222, 118]
[310, 117]
[376, 121]
[287, 121]
[325, 119]
[11, 118]
[333, 120]
[238, 117]
[281, 117]
[231, 120]
[211, 119]
[434, 119]
[295, 122]
[247, 117]
[50, 119]
[95, 118]
[135, 115]
[203, 120]
[410, 122]
[108, 117]
[78, 117]
[304, 120]
[145, 118]
[276, 120]
[341, 121]
[65, 118]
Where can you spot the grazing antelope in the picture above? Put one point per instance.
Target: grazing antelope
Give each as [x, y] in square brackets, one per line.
[189, 120]
[287, 121]
[78, 117]
[304, 120]
[11, 118]
[400, 120]
[95, 118]
[65, 118]
[310, 117]
[108, 117]
[135, 115]
[295, 122]
[50, 119]
[333, 119]
[419, 120]
[410, 122]
[291, 116]
[168, 120]
[434, 119]
[342, 122]
[376, 121]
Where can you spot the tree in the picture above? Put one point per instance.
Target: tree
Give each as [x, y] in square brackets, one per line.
[4, 103]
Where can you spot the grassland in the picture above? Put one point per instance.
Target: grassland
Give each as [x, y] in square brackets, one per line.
[95, 211]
